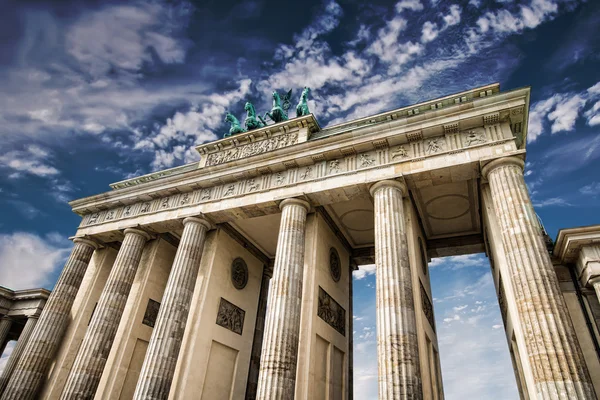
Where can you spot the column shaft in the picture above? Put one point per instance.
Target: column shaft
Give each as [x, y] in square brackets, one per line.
[259, 331]
[5, 325]
[558, 367]
[95, 347]
[397, 342]
[277, 377]
[18, 350]
[163, 350]
[39, 351]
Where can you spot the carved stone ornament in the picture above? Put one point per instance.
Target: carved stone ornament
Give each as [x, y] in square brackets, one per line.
[239, 273]
[427, 307]
[151, 313]
[230, 316]
[263, 146]
[335, 266]
[331, 312]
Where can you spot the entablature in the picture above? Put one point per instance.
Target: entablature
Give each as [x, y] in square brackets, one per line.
[464, 135]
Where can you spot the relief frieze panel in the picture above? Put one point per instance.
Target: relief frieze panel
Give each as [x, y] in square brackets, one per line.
[349, 163]
[230, 316]
[427, 307]
[263, 146]
[331, 312]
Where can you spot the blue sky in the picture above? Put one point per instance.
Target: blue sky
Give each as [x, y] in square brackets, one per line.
[97, 91]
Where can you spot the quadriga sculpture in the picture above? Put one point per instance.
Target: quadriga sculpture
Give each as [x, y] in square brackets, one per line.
[302, 107]
[252, 120]
[235, 125]
[279, 112]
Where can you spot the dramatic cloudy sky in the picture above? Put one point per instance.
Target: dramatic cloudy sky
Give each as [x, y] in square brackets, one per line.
[92, 92]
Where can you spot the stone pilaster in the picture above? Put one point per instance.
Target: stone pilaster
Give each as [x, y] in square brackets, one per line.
[5, 325]
[397, 343]
[259, 331]
[41, 347]
[95, 347]
[277, 375]
[163, 350]
[17, 351]
[557, 363]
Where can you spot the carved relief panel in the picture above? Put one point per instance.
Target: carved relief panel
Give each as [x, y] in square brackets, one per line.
[331, 312]
[230, 316]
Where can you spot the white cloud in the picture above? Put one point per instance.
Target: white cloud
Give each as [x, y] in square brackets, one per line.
[459, 262]
[593, 189]
[455, 317]
[562, 110]
[363, 271]
[120, 37]
[565, 113]
[429, 32]
[453, 17]
[414, 5]
[553, 201]
[28, 260]
[32, 160]
[460, 308]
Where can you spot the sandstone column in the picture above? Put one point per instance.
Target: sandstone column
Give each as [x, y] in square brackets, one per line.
[397, 344]
[95, 347]
[5, 325]
[595, 282]
[259, 331]
[39, 351]
[18, 350]
[277, 375]
[161, 357]
[558, 367]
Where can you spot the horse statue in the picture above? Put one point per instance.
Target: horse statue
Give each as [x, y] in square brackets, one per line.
[235, 125]
[252, 120]
[278, 112]
[302, 107]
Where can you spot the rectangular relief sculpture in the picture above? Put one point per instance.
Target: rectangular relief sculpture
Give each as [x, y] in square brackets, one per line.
[331, 312]
[231, 316]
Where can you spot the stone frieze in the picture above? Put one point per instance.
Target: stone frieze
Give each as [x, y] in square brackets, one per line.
[331, 312]
[230, 316]
[351, 162]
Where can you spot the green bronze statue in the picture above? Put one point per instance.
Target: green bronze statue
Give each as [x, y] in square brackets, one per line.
[235, 125]
[252, 120]
[279, 112]
[302, 107]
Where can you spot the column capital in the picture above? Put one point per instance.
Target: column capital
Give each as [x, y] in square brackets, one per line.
[594, 280]
[298, 202]
[499, 162]
[389, 183]
[86, 241]
[198, 220]
[140, 232]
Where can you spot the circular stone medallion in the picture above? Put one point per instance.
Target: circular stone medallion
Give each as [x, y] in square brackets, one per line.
[239, 273]
[335, 267]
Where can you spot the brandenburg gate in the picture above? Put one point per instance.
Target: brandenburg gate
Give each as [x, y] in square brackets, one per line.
[231, 277]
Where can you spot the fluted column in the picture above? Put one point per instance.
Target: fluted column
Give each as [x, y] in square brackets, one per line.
[17, 351]
[259, 331]
[558, 368]
[397, 343]
[161, 357]
[595, 282]
[39, 351]
[277, 375]
[5, 325]
[95, 347]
